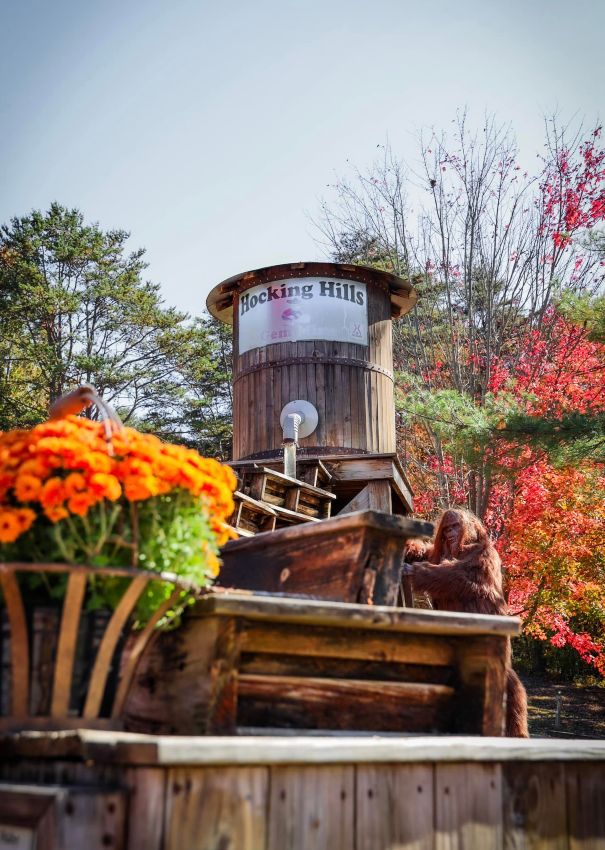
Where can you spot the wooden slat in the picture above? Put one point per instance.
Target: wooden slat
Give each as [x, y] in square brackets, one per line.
[137, 650]
[147, 799]
[346, 704]
[332, 643]
[534, 807]
[68, 636]
[217, 809]
[311, 808]
[100, 671]
[19, 643]
[468, 807]
[394, 807]
[281, 609]
[585, 787]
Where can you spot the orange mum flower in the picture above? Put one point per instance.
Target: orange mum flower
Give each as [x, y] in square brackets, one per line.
[106, 486]
[75, 483]
[10, 527]
[53, 492]
[79, 503]
[56, 514]
[136, 488]
[25, 517]
[27, 488]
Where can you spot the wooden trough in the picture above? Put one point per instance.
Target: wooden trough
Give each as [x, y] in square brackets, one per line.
[351, 558]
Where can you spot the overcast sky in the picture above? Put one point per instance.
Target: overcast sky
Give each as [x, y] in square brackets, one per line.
[210, 130]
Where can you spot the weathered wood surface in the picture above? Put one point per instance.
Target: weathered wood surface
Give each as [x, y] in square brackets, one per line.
[350, 558]
[349, 475]
[63, 671]
[351, 386]
[90, 746]
[248, 660]
[269, 793]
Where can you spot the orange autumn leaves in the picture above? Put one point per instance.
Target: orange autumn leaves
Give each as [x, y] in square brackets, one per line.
[65, 467]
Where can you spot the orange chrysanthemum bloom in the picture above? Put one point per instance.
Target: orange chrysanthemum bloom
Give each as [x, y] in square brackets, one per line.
[80, 503]
[27, 487]
[56, 514]
[10, 527]
[53, 492]
[25, 517]
[75, 483]
[106, 486]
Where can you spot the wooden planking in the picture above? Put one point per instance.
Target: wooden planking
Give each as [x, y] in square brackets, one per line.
[482, 673]
[311, 809]
[217, 809]
[91, 818]
[280, 664]
[468, 807]
[334, 643]
[585, 789]
[394, 807]
[322, 703]
[100, 671]
[66, 651]
[146, 807]
[379, 495]
[534, 807]
[278, 609]
[139, 645]
[19, 643]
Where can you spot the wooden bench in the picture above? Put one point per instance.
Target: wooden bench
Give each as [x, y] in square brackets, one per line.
[247, 661]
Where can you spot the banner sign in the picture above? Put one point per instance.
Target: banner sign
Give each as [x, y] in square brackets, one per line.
[303, 308]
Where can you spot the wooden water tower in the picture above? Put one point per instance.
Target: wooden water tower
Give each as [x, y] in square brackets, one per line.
[321, 333]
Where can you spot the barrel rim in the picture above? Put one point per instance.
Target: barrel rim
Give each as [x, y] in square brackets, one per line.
[402, 294]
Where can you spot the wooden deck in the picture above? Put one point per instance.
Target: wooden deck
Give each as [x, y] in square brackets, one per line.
[334, 792]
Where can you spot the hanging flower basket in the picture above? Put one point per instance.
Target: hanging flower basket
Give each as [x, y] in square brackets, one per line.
[110, 532]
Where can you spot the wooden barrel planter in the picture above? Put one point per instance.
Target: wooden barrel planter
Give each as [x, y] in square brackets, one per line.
[63, 667]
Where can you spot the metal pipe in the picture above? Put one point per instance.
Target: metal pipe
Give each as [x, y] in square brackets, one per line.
[290, 431]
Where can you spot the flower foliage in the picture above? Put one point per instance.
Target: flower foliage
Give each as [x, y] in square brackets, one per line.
[80, 491]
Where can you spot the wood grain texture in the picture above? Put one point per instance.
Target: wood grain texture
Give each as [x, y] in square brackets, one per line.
[535, 815]
[19, 643]
[136, 651]
[66, 650]
[355, 402]
[394, 807]
[100, 670]
[217, 809]
[146, 807]
[468, 807]
[311, 809]
[585, 788]
[324, 703]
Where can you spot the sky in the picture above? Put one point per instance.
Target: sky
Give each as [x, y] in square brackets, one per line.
[210, 131]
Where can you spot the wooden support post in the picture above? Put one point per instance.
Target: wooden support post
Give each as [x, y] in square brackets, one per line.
[482, 677]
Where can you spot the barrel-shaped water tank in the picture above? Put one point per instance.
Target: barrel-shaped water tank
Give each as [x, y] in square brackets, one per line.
[320, 332]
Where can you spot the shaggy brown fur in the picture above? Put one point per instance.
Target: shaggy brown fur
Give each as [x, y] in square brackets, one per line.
[468, 579]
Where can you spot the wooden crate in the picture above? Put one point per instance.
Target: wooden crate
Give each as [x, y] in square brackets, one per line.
[351, 558]
[243, 660]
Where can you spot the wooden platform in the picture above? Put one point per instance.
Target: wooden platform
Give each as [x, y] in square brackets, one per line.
[138, 792]
[248, 660]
